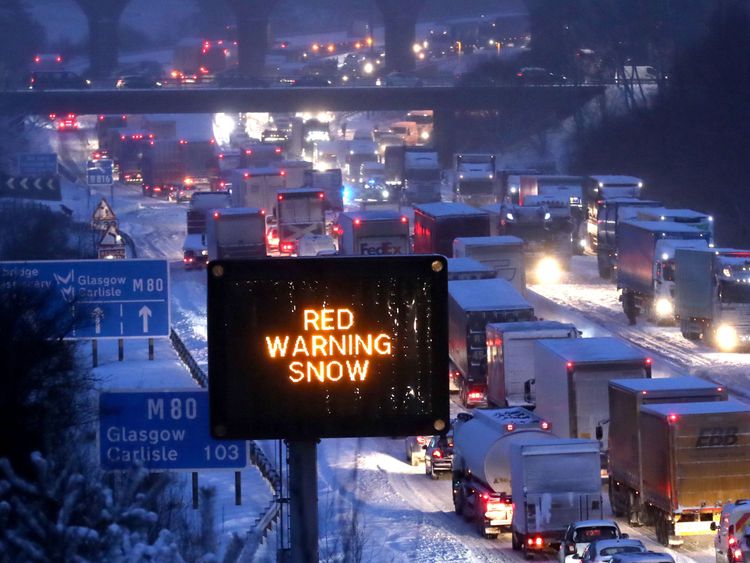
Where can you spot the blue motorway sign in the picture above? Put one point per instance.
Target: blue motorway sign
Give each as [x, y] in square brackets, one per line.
[37, 164]
[99, 172]
[163, 431]
[109, 298]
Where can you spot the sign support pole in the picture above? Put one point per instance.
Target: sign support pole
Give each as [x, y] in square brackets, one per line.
[195, 490]
[95, 352]
[120, 349]
[150, 348]
[237, 488]
[303, 495]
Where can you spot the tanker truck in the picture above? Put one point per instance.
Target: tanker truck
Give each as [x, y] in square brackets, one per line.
[481, 463]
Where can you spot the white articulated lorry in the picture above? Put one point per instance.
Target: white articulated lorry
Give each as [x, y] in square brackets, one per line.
[712, 296]
[510, 358]
[554, 483]
[571, 381]
[474, 179]
[645, 251]
[236, 234]
[481, 463]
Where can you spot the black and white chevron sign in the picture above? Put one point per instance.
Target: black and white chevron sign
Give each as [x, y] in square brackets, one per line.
[28, 187]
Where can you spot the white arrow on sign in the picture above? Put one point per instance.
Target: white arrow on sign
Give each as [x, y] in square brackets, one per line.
[23, 183]
[37, 185]
[11, 184]
[97, 314]
[144, 313]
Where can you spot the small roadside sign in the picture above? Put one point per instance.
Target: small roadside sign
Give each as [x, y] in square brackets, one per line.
[111, 245]
[163, 431]
[103, 217]
[37, 164]
[99, 172]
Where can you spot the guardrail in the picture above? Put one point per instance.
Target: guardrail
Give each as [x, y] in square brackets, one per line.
[265, 522]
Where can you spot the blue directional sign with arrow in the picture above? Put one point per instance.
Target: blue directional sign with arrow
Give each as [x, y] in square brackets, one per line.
[110, 298]
[99, 172]
[163, 431]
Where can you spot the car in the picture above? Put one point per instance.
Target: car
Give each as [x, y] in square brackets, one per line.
[438, 457]
[138, 82]
[602, 551]
[47, 60]
[401, 79]
[733, 525]
[580, 534]
[312, 80]
[644, 557]
[415, 448]
[538, 75]
[57, 80]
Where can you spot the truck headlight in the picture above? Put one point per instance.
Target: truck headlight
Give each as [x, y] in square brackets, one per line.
[582, 243]
[386, 194]
[548, 270]
[664, 308]
[726, 338]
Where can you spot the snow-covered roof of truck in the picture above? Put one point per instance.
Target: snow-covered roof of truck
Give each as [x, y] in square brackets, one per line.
[503, 240]
[663, 383]
[528, 325]
[516, 415]
[193, 241]
[677, 213]
[448, 209]
[631, 201]
[486, 295]
[297, 191]
[259, 171]
[594, 349]
[462, 265]
[238, 211]
[615, 179]
[664, 226]
[374, 215]
[686, 409]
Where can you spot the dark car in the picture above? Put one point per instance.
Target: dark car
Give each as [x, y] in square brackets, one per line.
[538, 75]
[313, 80]
[235, 78]
[57, 80]
[137, 81]
[438, 457]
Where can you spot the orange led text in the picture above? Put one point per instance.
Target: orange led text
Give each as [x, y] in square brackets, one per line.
[330, 349]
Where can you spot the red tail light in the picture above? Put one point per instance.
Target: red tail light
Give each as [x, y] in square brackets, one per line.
[217, 214]
[476, 395]
[280, 197]
[510, 427]
[675, 418]
[357, 222]
[248, 151]
[277, 150]
[321, 195]
[544, 425]
[536, 542]
[287, 247]
[737, 555]
[437, 453]
[569, 365]
[421, 440]
[282, 172]
[404, 219]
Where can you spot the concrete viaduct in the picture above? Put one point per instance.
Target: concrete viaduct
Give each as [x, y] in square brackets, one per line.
[252, 18]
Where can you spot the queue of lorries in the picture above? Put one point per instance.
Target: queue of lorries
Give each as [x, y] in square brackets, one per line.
[559, 413]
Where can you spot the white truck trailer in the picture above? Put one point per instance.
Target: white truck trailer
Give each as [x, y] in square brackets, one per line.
[510, 358]
[553, 483]
[235, 234]
[373, 233]
[481, 463]
[572, 377]
[504, 254]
